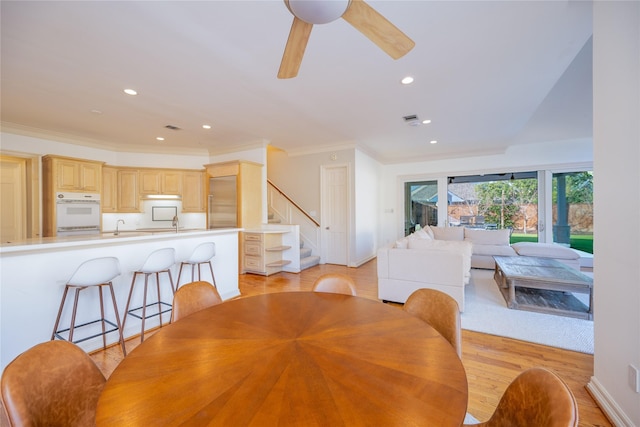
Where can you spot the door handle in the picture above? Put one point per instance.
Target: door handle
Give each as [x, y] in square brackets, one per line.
[326, 228]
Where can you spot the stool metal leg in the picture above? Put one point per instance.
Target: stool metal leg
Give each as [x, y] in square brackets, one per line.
[115, 309]
[73, 313]
[102, 318]
[126, 309]
[55, 326]
[212, 276]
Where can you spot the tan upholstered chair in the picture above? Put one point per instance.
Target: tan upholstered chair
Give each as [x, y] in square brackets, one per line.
[193, 297]
[52, 384]
[335, 283]
[537, 397]
[440, 311]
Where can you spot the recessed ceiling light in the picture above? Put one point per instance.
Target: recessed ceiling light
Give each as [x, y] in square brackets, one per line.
[159, 138]
[407, 80]
[433, 141]
[206, 126]
[426, 122]
[130, 92]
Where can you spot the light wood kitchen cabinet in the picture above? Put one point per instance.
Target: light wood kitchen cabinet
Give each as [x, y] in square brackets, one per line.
[73, 175]
[128, 196]
[119, 190]
[160, 182]
[249, 189]
[262, 253]
[193, 191]
[109, 196]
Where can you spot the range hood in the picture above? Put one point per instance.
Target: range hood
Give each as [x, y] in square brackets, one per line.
[162, 197]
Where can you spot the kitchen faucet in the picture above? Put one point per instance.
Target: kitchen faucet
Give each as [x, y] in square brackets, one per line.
[115, 233]
[175, 222]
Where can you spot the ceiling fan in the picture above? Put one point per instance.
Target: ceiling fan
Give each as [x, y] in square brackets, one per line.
[359, 14]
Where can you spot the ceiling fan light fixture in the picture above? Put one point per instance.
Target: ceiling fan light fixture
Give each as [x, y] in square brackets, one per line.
[318, 11]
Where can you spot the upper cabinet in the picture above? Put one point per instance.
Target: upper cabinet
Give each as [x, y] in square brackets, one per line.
[120, 190]
[74, 175]
[193, 191]
[157, 181]
[123, 188]
[109, 196]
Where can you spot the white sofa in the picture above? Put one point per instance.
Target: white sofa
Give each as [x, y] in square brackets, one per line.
[415, 263]
[442, 257]
[490, 243]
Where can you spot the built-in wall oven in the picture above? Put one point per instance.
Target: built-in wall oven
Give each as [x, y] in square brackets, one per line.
[77, 214]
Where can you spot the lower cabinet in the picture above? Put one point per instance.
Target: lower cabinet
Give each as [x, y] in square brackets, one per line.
[262, 252]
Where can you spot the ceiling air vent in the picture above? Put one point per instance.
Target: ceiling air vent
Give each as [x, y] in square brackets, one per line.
[411, 120]
[172, 127]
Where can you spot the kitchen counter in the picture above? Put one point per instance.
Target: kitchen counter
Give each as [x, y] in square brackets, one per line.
[33, 273]
[105, 238]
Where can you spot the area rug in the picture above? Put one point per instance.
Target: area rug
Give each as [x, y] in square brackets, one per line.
[487, 312]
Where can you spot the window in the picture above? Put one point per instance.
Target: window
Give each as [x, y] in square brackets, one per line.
[496, 201]
[420, 199]
[573, 209]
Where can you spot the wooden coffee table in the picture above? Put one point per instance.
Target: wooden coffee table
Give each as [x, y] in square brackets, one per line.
[548, 274]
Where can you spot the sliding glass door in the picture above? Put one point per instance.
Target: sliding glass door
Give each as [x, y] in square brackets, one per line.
[420, 205]
[573, 209]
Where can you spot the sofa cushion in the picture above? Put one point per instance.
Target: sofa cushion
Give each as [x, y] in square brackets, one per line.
[491, 250]
[448, 233]
[487, 237]
[402, 243]
[422, 234]
[464, 248]
[544, 250]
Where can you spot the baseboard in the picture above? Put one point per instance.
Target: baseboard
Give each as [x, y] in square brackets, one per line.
[609, 406]
[362, 261]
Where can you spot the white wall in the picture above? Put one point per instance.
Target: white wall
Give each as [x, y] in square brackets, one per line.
[550, 155]
[616, 79]
[304, 189]
[364, 236]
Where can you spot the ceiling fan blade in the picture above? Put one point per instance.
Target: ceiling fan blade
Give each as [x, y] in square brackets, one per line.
[294, 50]
[378, 29]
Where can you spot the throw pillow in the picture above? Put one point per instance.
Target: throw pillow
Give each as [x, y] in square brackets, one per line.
[422, 234]
[402, 243]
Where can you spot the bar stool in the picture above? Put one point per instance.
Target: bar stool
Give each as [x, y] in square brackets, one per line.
[159, 261]
[97, 272]
[202, 254]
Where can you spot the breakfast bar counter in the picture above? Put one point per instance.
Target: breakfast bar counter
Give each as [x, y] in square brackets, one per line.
[34, 272]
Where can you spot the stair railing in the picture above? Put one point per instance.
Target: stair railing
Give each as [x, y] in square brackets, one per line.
[288, 212]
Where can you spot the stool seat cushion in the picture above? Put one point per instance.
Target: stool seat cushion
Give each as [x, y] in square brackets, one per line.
[544, 250]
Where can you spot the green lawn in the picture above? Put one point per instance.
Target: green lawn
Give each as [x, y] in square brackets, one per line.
[582, 242]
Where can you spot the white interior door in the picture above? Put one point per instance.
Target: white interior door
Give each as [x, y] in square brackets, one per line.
[12, 199]
[335, 214]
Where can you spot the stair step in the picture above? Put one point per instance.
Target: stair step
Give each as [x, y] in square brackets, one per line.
[305, 252]
[309, 261]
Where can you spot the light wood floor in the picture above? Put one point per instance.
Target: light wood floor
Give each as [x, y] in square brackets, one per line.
[491, 362]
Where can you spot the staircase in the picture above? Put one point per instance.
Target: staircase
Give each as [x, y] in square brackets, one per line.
[307, 259]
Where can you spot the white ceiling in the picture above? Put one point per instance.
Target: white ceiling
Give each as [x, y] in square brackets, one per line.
[489, 74]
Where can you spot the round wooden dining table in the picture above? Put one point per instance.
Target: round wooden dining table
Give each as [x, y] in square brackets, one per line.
[290, 359]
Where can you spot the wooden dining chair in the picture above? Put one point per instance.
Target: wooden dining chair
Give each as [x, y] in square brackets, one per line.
[335, 283]
[537, 397]
[52, 384]
[440, 311]
[192, 297]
